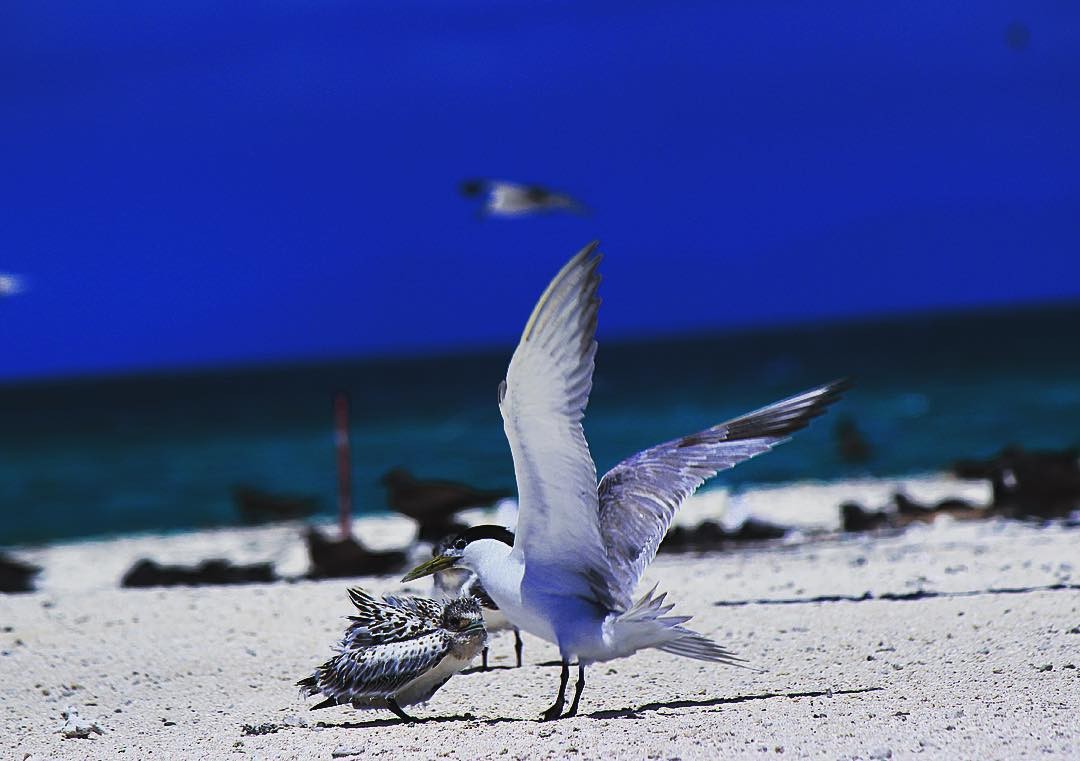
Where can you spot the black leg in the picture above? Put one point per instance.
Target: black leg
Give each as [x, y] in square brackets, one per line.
[577, 690]
[556, 707]
[483, 661]
[518, 645]
[393, 706]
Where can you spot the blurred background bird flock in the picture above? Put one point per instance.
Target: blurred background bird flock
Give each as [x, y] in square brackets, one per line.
[507, 516]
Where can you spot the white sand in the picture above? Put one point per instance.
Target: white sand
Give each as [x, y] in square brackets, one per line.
[177, 673]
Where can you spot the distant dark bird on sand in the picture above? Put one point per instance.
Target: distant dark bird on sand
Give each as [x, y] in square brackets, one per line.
[398, 652]
[433, 503]
[510, 199]
[150, 573]
[335, 558]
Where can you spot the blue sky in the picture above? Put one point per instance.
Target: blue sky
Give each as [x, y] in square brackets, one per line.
[207, 183]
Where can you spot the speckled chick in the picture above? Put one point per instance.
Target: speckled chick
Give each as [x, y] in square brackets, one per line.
[398, 652]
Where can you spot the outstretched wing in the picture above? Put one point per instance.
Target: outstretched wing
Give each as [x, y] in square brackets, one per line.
[542, 402]
[392, 619]
[376, 671]
[639, 496]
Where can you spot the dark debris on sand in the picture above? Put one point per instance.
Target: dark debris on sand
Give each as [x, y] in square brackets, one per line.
[1026, 485]
[150, 573]
[904, 511]
[710, 535]
[16, 575]
[260, 729]
[1029, 484]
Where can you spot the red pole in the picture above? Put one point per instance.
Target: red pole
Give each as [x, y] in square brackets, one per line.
[344, 472]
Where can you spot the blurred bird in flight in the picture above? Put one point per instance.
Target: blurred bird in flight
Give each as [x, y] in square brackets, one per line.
[510, 199]
[11, 284]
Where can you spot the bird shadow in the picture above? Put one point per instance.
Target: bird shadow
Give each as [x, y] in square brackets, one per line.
[621, 713]
[481, 669]
[634, 713]
[375, 723]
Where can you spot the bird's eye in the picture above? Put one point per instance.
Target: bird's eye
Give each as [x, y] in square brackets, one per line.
[459, 544]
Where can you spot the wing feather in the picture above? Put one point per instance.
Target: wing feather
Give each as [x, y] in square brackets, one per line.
[390, 643]
[542, 402]
[639, 497]
[376, 671]
[393, 619]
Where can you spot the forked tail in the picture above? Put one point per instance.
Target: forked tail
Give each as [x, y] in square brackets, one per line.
[648, 625]
[699, 647]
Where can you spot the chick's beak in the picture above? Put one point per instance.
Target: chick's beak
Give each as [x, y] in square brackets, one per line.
[440, 563]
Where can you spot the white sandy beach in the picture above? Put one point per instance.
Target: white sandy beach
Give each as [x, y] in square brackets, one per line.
[986, 664]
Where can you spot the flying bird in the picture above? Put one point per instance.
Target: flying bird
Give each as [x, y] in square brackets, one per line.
[11, 284]
[581, 548]
[457, 582]
[511, 199]
[398, 652]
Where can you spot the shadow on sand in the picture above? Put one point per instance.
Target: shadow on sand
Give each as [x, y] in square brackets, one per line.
[481, 670]
[622, 713]
[392, 722]
[633, 713]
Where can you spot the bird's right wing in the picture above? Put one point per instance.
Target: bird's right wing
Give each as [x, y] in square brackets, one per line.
[542, 402]
[640, 495]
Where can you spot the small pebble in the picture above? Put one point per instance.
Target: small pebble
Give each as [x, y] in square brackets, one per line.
[76, 728]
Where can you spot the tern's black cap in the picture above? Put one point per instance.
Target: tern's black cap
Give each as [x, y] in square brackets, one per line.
[500, 533]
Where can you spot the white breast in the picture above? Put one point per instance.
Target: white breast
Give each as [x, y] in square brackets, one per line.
[421, 689]
[503, 585]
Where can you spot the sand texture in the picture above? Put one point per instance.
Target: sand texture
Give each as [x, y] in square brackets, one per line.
[957, 640]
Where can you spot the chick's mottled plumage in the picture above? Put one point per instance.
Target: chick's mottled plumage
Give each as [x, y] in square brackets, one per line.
[398, 651]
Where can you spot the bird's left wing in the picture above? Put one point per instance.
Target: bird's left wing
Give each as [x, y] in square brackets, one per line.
[542, 402]
[391, 619]
[639, 496]
[422, 607]
[376, 670]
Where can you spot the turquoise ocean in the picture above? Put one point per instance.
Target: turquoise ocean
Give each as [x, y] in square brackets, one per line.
[101, 456]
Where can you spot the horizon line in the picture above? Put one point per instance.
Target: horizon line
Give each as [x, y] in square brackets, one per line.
[465, 350]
